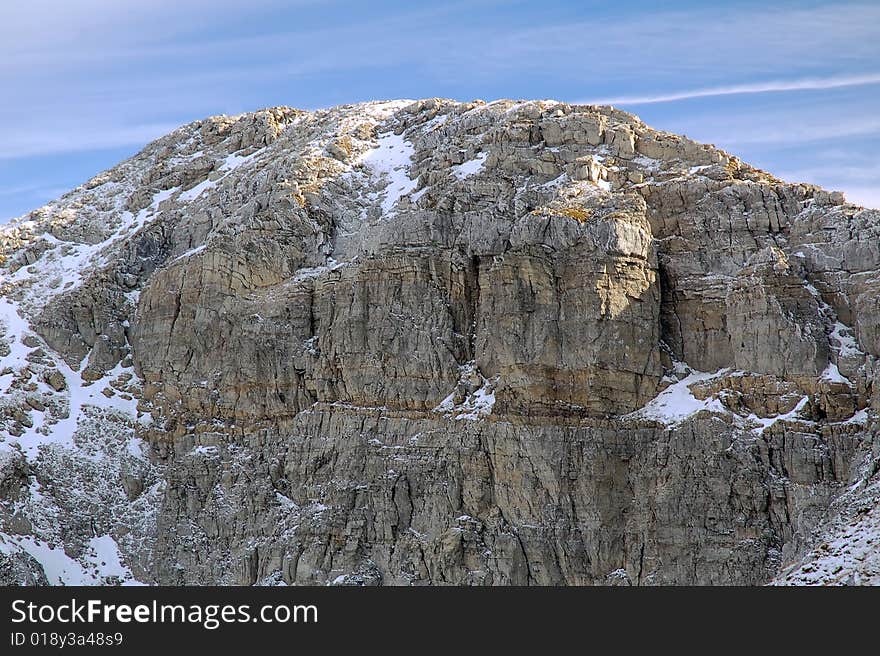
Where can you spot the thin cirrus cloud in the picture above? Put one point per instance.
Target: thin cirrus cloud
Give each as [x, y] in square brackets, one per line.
[740, 129]
[804, 84]
[34, 143]
[23, 189]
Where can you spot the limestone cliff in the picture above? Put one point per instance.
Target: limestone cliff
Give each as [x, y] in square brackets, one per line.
[436, 342]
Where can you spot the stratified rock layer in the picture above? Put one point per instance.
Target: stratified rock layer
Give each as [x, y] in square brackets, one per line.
[439, 343]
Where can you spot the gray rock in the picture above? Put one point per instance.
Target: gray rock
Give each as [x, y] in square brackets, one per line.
[440, 343]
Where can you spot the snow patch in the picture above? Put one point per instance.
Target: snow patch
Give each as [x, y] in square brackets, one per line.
[206, 451]
[766, 422]
[435, 123]
[421, 192]
[63, 267]
[106, 560]
[471, 167]
[102, 560]
[189, 253]
[846, 342]
[478, 404]
[860, 418]
[832, 375]
[15, 328]
[841, 335]
[677, 402]
[79, 393]
[556, 182]
[390, 161]
[195, 192]
[235, 160]
[308, 273]
[230, 163]
[646, 162]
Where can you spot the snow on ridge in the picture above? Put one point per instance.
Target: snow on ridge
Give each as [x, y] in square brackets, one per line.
[382, 110]
[65, 263]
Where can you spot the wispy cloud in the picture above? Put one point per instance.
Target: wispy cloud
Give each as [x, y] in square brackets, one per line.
[21, 190]
[845, 116]
[79, 138]
[796, 129]
[99, 74]
[803, 84]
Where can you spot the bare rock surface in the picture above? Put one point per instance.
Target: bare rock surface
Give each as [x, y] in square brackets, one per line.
[430, 342]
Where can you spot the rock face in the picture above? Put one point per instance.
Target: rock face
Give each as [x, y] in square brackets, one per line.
[439, 343]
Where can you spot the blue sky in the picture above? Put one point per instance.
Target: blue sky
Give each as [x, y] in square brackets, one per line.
[792, 87]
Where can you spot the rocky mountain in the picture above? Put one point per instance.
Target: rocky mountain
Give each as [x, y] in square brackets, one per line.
[436, 342]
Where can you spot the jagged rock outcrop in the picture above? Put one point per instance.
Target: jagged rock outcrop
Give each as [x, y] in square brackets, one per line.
[435, 342]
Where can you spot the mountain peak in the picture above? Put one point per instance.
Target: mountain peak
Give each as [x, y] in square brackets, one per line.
[389, 323]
